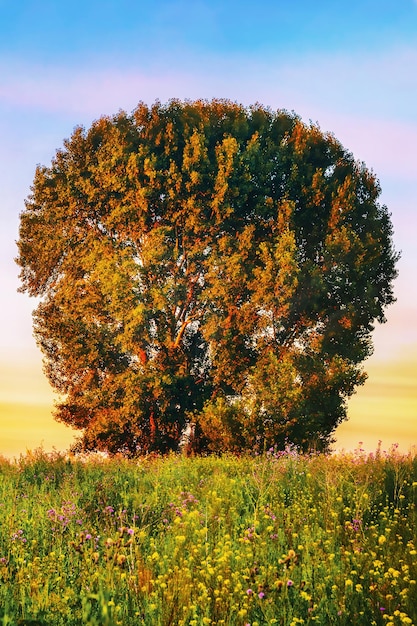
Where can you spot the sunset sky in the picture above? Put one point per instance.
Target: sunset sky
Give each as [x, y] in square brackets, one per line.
[350, 66]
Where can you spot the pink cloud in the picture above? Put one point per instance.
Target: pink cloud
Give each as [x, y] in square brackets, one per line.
[361, 99]
[81, 92]
[388, 146]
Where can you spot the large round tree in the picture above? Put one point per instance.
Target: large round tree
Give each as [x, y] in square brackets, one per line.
[205, 262]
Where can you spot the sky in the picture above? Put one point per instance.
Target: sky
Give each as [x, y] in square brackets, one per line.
[348, 66]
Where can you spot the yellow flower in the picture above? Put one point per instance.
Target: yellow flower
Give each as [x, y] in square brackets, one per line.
[381, 540]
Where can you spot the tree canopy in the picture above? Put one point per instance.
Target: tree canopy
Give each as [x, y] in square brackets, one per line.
[210, 263]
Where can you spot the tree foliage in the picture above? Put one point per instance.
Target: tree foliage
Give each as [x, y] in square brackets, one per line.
[202, 261]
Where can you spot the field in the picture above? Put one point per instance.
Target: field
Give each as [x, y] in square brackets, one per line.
[280, 538]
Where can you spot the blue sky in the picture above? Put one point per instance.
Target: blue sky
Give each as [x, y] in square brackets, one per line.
[145, 30]
[348, 66]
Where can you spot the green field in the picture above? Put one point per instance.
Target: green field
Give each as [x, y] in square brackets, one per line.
[280, 538]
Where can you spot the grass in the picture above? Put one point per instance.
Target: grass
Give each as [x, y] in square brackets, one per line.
[276, 539]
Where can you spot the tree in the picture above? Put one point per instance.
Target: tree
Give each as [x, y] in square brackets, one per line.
[205, 262]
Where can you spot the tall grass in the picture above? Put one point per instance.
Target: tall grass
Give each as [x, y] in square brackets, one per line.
[276, 539]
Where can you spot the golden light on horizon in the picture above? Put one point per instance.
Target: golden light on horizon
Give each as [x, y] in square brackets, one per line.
[385, 409]
[26, 405]
[26, 427]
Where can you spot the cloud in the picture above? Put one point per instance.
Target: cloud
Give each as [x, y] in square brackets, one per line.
[375, 84]
[388, 146]
[367, 101]
[79, 92]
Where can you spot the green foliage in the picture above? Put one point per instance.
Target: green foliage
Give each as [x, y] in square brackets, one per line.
[279, 538]
[200, 254]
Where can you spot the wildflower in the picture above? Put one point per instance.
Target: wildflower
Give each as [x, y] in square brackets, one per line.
[249, 592]
[290, 583]
[381, 540]
[18, 536]
[261, 595]
[249, 534]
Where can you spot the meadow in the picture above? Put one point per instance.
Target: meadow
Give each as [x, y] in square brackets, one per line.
[280, 538]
